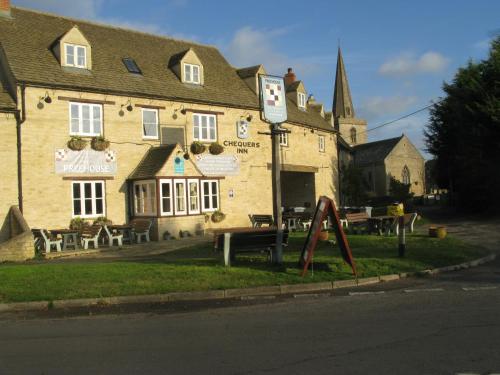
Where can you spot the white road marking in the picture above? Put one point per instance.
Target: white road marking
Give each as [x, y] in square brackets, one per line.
[469, 289]
[424, 290]
[365, 293]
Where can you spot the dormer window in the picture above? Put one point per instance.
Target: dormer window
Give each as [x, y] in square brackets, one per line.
[192, 73]
[301, 100]
[76, 55]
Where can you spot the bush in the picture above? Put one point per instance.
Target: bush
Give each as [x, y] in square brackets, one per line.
[216, 148]
[102, 220]
[197, 148]
[218, 216]
[99, 143]
[77, 224]
[77, 143]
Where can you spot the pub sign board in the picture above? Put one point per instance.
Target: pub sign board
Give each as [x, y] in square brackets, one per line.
[325, 208]
[273, 99]
[85, 162]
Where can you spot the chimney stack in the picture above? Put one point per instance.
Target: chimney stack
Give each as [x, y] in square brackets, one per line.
[4, 8]
[289, 77]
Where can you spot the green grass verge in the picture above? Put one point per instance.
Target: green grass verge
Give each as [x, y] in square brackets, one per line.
[198, 268]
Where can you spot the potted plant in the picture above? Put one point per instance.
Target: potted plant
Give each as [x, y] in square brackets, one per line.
[77, 143]
[197, 147]
[99, 143]
[216, 148]
[323, 235]
[77, 224]
[218, 216]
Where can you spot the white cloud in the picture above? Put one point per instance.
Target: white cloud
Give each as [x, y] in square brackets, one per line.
[409, 64]
[250, 46]
[80, 9]
[377, 106]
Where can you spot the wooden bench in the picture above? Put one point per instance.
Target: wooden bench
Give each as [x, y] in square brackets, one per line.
[258, 220]
[246, 240]
[357, 221]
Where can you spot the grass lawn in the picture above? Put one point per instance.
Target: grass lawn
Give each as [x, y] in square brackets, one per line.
[198, 268]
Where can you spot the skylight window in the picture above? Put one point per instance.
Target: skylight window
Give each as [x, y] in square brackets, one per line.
[131, 65]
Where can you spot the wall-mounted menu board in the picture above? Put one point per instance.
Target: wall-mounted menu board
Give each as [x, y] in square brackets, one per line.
[325, 208]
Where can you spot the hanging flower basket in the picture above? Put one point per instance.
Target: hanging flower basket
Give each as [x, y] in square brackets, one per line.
[99, 143]
[216, 148]
[218, 216]
[197, 148]
[77, 144]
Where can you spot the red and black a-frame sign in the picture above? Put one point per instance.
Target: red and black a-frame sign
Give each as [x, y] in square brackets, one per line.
[325, 208]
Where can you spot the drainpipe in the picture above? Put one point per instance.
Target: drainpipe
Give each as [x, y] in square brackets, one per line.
[20, 119]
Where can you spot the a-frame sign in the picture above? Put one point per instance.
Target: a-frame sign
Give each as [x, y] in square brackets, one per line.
[325, 208]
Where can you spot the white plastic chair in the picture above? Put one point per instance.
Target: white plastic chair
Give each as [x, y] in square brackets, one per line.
[112, 237]
[409, 221]
[91, 234]
[50, 241]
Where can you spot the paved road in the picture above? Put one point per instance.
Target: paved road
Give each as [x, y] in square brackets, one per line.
[447, 324]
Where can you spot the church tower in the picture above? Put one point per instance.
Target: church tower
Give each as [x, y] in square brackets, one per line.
[352, 129]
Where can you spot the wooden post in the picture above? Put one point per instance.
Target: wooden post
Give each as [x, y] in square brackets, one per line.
[227, 249]
[277, 257]
[402, 237]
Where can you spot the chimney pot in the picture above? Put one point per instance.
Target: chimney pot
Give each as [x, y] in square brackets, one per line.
[289, 77]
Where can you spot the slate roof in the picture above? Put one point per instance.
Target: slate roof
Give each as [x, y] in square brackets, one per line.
[27, 38]
[152, 162]
[374, 152]
[342, 93]
[6, 101]
[251, 71]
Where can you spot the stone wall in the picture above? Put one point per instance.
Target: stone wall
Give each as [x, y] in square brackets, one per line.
[21, 245]
[48, 196]
[8, 181]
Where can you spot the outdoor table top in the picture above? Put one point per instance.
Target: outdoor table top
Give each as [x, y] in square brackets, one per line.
[63, 231]
[383, 217]
[243, 229]
[120, 226]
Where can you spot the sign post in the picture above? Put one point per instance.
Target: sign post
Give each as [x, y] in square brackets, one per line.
[273, 105]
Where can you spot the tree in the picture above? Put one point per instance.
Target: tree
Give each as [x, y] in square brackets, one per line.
[399, 191]
[352, 186]
[464, 134]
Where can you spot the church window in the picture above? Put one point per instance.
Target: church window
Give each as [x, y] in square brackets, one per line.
[353, 136]
[348, 111]
[405, 176]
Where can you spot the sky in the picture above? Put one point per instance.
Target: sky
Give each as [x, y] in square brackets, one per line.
[397, 54]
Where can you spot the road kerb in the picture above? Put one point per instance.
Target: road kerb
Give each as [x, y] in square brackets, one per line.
[368, 280]
[196, 296]
[392, 277]
[344, 284]
[299, 288]
[257, 291]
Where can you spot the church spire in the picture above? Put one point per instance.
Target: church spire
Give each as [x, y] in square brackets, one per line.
[342, 102]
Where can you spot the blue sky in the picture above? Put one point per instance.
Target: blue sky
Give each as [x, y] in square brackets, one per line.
[397, 53]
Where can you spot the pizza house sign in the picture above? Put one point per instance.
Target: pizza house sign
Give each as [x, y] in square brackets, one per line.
[85, 162]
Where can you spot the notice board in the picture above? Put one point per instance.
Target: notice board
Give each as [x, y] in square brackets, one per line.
[325, 209]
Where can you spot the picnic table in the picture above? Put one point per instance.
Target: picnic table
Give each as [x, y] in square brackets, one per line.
[381, 224]
[69, 237]
[124, 229]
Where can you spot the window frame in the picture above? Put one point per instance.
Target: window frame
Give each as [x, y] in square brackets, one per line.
[75, 55]
[353, 135]
[148, 183]
[321, 143]
[93, 197]
[178, 212]
[188, 193]
[198, 137]
[284, 139]
[157, 123]
[191, 67]
[167, 181]
[80, 119]
[210, 194]
[301, 100]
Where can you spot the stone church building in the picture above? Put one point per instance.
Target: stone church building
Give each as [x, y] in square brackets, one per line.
[380, 160]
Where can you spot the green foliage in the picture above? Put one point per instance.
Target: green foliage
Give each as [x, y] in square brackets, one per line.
[216, 148]
[464, 134]
[352, 186]
[101, 220]
[197, 147]
[218, 216]
[77, 223]
[99, 143]
[399, 191]
[77, 143]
